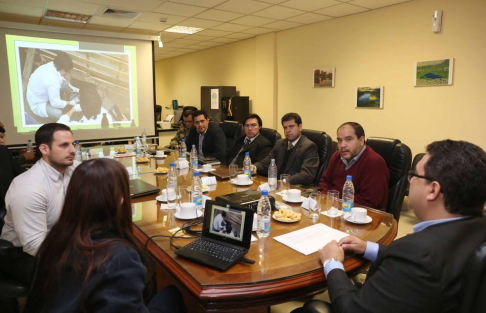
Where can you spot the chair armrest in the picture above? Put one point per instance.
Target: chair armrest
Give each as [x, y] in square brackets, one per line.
[5, 247]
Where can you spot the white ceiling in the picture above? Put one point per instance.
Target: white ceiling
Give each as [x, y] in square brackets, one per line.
[224, 21]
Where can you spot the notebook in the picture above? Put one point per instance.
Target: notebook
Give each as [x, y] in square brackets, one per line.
[226, 236]
[212, 161]
[140, 188]
[221, 173]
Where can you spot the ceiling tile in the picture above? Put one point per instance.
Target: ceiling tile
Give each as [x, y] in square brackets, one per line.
[218, 15]
[20, 18]
[278, 12]
[214, 33]
[309, 18]
[170, 36]
[102, 28]
[185, 41]
[138, 5]
[199, 47]
[341, 10]
[140, 31]
[231, 27]
[240, 36]
[186, 50]
[259, 30]
[171, 44]
[92, 1]
[281, 25]
[116, 22]
[29, 3]
[200, 23]
[210, 43]
[155, 18]
[198, 37]
[243, 6]
[20, 10]
[73, 7]
[179, 9]
[375, 4]
[272, 1]
[147, 26]
[200, 3]
[225, 39]
[309, 5]
[252, 20]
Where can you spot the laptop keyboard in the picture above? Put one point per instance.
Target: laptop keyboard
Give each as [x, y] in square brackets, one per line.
[221, 252]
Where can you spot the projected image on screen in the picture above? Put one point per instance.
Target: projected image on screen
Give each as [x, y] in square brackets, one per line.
[227, 222]
[60, 82]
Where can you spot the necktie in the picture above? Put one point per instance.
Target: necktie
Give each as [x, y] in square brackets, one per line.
[290, 146]
[247, 141]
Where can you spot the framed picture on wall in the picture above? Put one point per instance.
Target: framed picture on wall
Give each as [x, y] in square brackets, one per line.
[369, 97]
[433, 73]
[324, 77]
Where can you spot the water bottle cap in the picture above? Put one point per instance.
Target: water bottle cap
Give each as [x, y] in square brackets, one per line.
[183, 140]
[247, 153]
[264, 192]
[349, 177]
[76, 142]
[196, 174]
[29, 140]
[171, 164]
[137, 137]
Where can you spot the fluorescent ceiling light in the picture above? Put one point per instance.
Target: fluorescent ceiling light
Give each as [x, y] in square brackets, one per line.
[183, 29]
[67, 17]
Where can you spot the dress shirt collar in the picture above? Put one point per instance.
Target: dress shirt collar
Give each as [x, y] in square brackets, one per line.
[52, 173]
[251, 139]
[348, 164]
[294, 143]
[423, 225]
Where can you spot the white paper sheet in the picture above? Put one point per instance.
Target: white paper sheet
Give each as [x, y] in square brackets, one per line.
[310, 239]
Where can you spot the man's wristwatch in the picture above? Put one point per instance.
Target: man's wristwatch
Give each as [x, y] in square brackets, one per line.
[329, 260]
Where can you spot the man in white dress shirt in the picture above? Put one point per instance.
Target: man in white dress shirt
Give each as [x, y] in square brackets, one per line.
[35, 198]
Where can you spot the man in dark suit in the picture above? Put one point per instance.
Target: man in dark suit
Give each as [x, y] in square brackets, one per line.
[252, 142]
[295, 155]
[9, 169]
[420, 272]
[208, 138]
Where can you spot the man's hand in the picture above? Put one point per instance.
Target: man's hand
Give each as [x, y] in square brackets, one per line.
[29, 155]
[253, 169]
[354, 244]
[331, 250]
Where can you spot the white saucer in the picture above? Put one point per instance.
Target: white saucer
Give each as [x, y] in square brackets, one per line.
[159, 198]
[234, 182]
[203, 171]
[198, 213]
[339, 213]
[160, 157]
[284, 198]
[368, 220]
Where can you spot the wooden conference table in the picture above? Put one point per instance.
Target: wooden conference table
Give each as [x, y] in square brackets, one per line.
[279, 274]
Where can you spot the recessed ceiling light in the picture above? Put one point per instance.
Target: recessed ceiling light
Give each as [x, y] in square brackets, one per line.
[183, 29]
[67, 16]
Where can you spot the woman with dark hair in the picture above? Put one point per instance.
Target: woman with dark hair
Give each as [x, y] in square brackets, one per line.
[90, 260]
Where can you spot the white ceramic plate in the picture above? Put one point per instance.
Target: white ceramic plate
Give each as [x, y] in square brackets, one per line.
[233, 181]
[338, 213]
[198, 213]
[285, 198]
[282, 221]
[368, 220]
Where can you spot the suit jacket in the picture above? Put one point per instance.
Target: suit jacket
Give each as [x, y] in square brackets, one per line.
[214, 143]
[302, 163]
[9, 169]
[259, 148]
[420, 272]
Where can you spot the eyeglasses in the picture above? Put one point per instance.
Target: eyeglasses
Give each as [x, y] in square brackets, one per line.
[251, 125]
[413, 174]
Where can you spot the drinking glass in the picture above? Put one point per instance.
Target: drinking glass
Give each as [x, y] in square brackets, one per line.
[332, 202]
[184, 194]
[285, 183]
[315, 205]
[233, 171]
[171, 202]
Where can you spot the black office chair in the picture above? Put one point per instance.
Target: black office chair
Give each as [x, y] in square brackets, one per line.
[158, 113]
[416, 159]
[398, 158]
[232, 130]
[324, 149]
[271, 134]
[474, 283]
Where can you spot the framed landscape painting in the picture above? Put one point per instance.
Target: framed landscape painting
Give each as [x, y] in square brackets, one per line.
[433, 73]
[324, 77]
[369, 97]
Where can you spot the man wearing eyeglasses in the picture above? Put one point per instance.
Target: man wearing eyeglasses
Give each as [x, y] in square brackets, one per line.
[257, 145]
[355, 158]
[420, 272]
[183, 132]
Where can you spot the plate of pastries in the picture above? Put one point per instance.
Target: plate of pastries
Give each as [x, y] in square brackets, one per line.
[142, 160]
[287, 216]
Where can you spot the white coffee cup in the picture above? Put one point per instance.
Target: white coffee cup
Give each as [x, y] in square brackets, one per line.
[160, 153]
[207, 167]
[172, 194]
[188, 209]
[358, 215]
[293, 194]
[242, 179]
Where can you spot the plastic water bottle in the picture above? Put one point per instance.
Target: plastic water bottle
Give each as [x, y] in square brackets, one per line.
[272, 175]
[79, 153]
[194, 159]
[247, 164]
[138, 147]
[196, 190]
[183, 153]
[29, 146]
[348, 194]
[172, 176]
[263, 215]
[144, 137]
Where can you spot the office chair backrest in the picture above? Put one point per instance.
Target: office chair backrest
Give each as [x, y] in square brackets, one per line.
[416, 159]
[473, 291]
[158, 113]
[398, 158]
[271, 134]
[324, 149]
[232, 130]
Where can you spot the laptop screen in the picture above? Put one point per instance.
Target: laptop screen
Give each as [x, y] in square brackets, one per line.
[228, 223]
